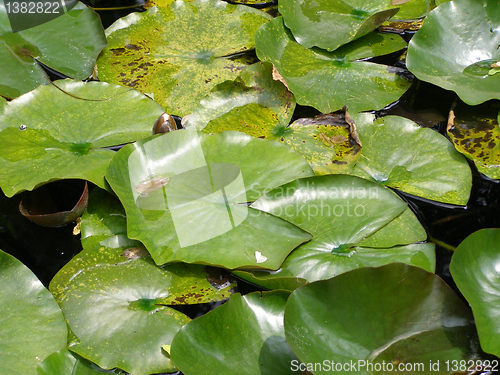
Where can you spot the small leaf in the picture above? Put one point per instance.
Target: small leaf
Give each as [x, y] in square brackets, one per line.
[66, 362]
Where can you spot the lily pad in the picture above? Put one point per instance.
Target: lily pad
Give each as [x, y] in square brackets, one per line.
[475, 267]
[120, 316]
[179, 53]
[328, 81]
[456, 40]
[415, 160]
[185, 195]
[61, 131]
[65, 362]
[343, 213]
[428, 322]
[32, 325]
[249, 98]
[330, 24]
[475, 133]
[243, 336]
[69, 44]
[325, 142]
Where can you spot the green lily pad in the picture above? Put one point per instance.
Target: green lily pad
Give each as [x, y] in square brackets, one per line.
[120, 316]
[32, 325]
[329, 80]
[68, 44]
[65, 362]
[325, 142]
[330, 24]
[415, 160]
[475, 133]
[185, 195]
[243, 336]
[246, 101]
[62, 131]
[456, 40]
[186, 52]
[409, 317]
[105, 242]
[343, 213]
[475, 267]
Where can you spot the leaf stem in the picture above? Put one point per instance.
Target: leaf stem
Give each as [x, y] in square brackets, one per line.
[442, 244]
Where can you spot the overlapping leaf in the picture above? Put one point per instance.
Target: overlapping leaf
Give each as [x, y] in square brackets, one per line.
[330, 80]
[386, 316]
[354, 223]
[253, 103]
[68, 44]
[62, 131]
[243, 336]
[185, 195]
[457, 47]
[330, 24]
[325, 142]
[475, 267]
[415, 160]
[179, 53]
[32, 325]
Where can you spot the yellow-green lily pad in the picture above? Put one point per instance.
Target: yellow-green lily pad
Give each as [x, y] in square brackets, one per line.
[179, 53]
[254, 104]
[328, 81]
[325, 142]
